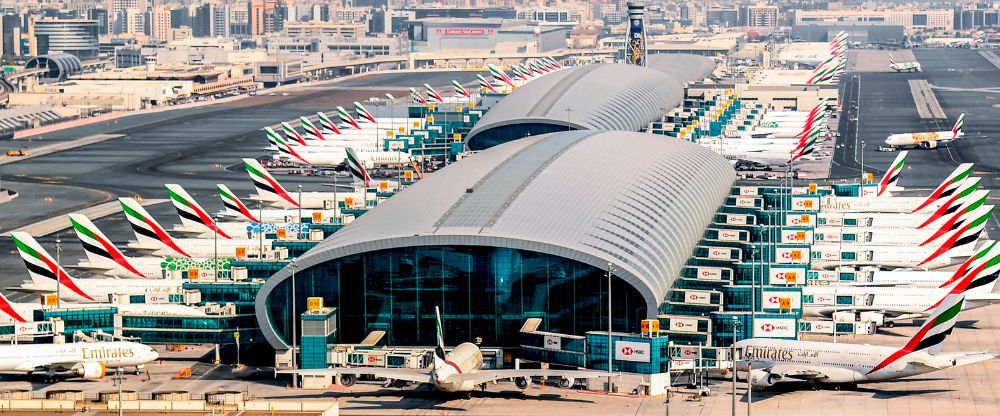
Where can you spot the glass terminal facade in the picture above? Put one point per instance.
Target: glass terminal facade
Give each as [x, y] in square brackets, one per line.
[485, 295]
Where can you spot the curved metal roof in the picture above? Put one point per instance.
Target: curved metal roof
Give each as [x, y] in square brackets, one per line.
[60, 65]
[636, 200]
[590, 97]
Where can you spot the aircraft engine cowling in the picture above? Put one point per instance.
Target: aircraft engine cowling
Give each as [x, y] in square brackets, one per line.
[521, 382]
[929, 144]
[90, 370]
[761, 378]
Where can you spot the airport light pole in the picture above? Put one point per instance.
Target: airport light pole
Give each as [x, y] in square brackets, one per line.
[58, 268]
[295, 377]
[732, 353]
[215, 260]
[298, 233]
[260, 230]
[611, 357]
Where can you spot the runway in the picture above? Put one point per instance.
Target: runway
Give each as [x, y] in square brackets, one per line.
[191, 147]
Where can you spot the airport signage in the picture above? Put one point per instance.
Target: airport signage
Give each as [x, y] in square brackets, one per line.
[697, 297]
[720, 253]
[552, 342]
[737, 219]
[771, 299]
[774, 328]
[746, 202]
[632, 351]
[683, 324]
[461, 31]
[824, 299]
[805, 203]
[157, 298]
[689, 353]
[822, 277]
[777, 275]
[821, 327]
[26, 328]
[748, 190]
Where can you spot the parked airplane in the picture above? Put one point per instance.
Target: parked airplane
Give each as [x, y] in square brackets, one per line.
[458, 371]
[270, 192]
[43, 270]
[987, 258]
[903, 66]
[153, 239]
[235, 208]
[88, 360]
[771, 361]
[927, 140]
[196, 220]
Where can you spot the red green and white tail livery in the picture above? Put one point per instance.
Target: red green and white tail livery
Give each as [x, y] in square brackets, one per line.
[147, 230]
[431, 92]
[233, 204]
[285, 150]
[483, 83]
[976, 269]
[958, 240]
[346, 118]
[364, 113]
[99, 248]
[416, 97]
[459, 89]
[929, 139]
[42, 267]
[291, 134]
[268, 188]
[890, 180]
[967, 193]
[964, 215]
[949, 186]
[312, 132]
[357, 168]
[327, 124]
[499, 75]
[191, 213]
[772, 361]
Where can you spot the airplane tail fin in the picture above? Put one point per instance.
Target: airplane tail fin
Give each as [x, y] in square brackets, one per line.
[891, 178]
[7, 307]
[891, 61]
[459, 89]
[979, 270]
[233, 204]
[364, 113]
[312, 133]
[98, 247]
[967, 193]
[268, 188]
[439, 357]
[956, 130]
[932, 333]
[191, 213]
[147, 230]
[416, 97]
[970, 211]
[357, 168]
[958, 243]
[431, 92]
[273, 138]
[290, 133]
[949, 186]
[347, 118]
[327, 124]
[483, 83]
[41, 266]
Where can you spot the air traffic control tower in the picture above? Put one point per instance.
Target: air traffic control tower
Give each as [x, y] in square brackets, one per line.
[635, 44]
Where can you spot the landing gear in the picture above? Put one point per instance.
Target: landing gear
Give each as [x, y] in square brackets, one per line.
[889, 324]
[348, 380]
[565, 383]
[521, 382]
[815, 387]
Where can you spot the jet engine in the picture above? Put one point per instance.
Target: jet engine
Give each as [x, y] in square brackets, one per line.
[566, 382]
[90, 370]
[761, 378]
[929, 144]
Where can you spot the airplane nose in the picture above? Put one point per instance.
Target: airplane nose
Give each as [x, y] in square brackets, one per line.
[153, 354]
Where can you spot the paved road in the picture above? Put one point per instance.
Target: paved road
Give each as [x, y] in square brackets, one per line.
[192, 147]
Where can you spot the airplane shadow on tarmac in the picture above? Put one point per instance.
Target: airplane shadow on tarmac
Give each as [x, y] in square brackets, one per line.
[431, 399]
[882, 394]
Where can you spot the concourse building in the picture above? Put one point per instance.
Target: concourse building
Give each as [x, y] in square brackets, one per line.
[524, 229]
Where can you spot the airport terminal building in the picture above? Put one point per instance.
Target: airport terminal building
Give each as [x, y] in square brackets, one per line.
[525, 229]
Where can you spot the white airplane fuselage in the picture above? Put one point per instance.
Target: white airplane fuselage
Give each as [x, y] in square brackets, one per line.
[98, 289]
[90, 358]
[466, 358]
[928, 140]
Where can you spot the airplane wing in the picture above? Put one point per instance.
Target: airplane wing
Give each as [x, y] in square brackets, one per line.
[406, 374]
[485, 376]
[41, 364]
[797, 372]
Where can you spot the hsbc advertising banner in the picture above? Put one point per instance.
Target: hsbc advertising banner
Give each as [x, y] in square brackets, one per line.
[772, 299]
[737, 219]
[800, 219]
[709, 273]
[774, 328]
[720, 253]
[746, 201]
[821, 327]
[632, 351]
[683, 324]
[748, 190]
[796, 236]
[805, 203]
[552, 343]
[697, 297]
[729, 235]
[787, 275]
[787, 255]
